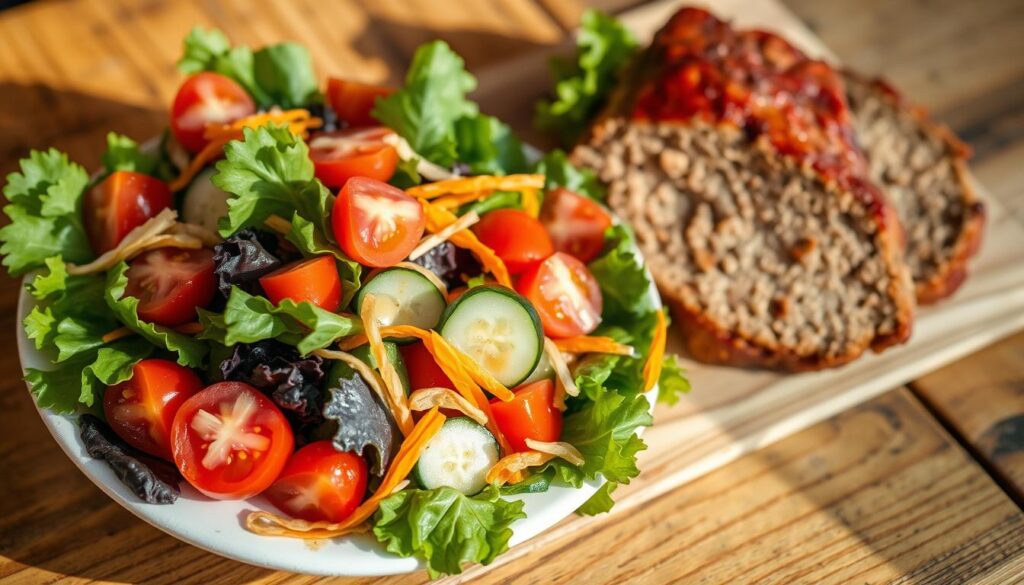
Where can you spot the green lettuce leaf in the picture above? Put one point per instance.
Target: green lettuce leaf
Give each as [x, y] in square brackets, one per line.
[189, 350]
[603, 48]
[445, 528]
[248, 318]
[672, 383]
[488, 146]
[600, 502]
[559, 172]
[624, 282]
[45, 201]
[123, 154]
[83, 379]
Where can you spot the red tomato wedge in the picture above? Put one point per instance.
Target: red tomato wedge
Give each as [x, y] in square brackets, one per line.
[423, 369]
[171, 284]
[353, 101]
[320, 483]
[375, 223]
[141, 409]
[530, 415]
[518, 239]
[121, 203]
[207, 98]
[565, 294]
[575, 223]
[230, 441]
[360, 152]
[315, 280]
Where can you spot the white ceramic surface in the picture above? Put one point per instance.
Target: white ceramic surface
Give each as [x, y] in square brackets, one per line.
[216, 526]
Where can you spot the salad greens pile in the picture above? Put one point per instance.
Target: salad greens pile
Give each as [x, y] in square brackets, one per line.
[269, 174]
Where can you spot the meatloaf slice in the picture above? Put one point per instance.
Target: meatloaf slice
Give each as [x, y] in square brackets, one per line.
[922, 168]
[731, 154]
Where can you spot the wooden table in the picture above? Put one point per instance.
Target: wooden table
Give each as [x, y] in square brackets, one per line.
[923, 484]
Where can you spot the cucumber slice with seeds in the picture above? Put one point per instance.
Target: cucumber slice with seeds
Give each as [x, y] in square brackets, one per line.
[405, 297]
[458, 456]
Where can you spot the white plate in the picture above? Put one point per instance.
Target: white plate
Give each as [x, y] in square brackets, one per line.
[216, 526]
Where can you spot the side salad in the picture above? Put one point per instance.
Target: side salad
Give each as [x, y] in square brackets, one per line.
[366, 304]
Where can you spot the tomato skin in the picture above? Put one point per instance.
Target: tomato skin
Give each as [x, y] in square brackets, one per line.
[315, 280]
[575, 223]
[329, 482]
[263, 425]
[423, 369]
[518, 239]
[566, 295]
[141, 409]
[530, 415]
[353, 101]
[207, 98]
[339, 156]
[376, 224]
[121, 203]
[194, 284]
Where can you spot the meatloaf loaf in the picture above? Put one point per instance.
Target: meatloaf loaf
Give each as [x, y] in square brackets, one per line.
[732, 155]
[922, 168]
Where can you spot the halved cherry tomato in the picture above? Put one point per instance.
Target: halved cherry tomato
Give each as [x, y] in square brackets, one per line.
[230, 441]
[423, 369]
[141, 409]
[171, 283]
[207, 98]
[576, 224]
[353, 101]
[315, 280]
[518, 239]
[375, 223]
[360, 152]
[530, 415]
[121, 203]
[565, 294]
[320, 483]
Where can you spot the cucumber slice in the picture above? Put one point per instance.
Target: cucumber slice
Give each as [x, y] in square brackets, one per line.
[458, 456]
[394, 356]
[543, 371]
[204, 204]
[499, 329]
[406, 297]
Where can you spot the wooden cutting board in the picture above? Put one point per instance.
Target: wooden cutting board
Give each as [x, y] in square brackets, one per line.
[733, 411]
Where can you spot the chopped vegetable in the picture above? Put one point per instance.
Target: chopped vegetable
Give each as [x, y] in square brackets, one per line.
[652, 367]
[427, 398]
[242, 258]
[437, 238]
[394, 391]
[438, 218]
[479, 184]
[593, 344]
[148, 236]
[566, 384]
[153, 481]
[511, 466]
[363, 424]
[277, 370]
[558, 449]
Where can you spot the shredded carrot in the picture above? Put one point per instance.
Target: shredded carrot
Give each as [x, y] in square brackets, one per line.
[119, 333]
[531, 202]
[656, 354]
[509, 468]
[427, 398]
[564, 382]
[558, 449]
[353, 341]
[438, 218]
[298, 121]
[595, 344]
[434, 239]
[190, 328]
[477, 184]
[278, 224]
[454, 201]
[481, 376]
[268, 524]
[397, 400]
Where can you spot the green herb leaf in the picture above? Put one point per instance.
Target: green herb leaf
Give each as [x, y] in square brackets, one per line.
[559, 172]
[446, 528]
[603, 48]
[190, 351]
[123, 154]
[45, 212]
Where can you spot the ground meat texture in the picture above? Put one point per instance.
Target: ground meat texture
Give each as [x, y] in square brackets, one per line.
[922, 168]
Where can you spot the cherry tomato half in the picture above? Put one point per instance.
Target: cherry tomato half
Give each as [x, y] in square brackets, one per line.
[518, 239]
[121, 203]
[315, 280]
[353, 101]
[320, 483]
[359, 152]
[530, 415]
[230, 441]
[171, 283]
[575, 223]
[423, 369]
[375, 223]
[565, 294]
[207, 98]
[141, 409]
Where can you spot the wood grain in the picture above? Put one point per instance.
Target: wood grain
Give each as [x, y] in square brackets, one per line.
[858, 498]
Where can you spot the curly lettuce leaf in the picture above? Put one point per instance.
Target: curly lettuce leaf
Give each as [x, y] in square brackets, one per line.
[623, 279]
[189, 350]
[488, 146]
[83, 379]
[123, 154]
[559, 172]
[603, 48]
[446, 528]
[600, 502]
[249, 318]
[672, 383]
[45, 201]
